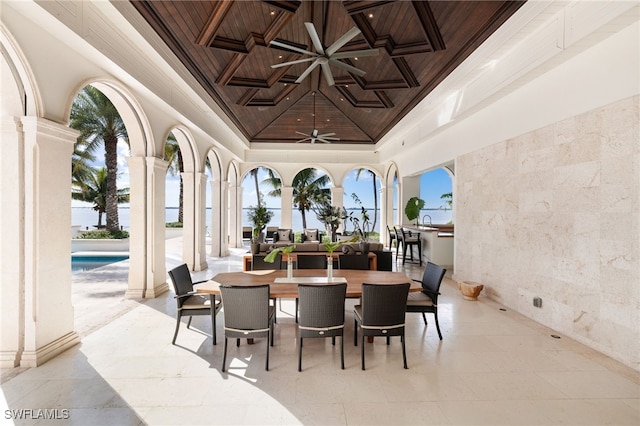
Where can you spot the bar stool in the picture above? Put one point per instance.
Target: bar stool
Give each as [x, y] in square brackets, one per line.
[408, 240]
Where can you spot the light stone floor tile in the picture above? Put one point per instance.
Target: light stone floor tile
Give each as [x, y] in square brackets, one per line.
[493, 367]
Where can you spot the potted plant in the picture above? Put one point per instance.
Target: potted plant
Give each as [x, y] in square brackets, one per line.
[331, 217]
[413, 207]
[259, 217]
[361, 229]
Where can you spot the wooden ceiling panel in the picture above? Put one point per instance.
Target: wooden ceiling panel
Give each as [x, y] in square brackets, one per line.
[225, 45]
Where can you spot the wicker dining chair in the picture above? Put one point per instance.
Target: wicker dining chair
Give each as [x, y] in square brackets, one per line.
[321, 315]
[189, 303]
[311, 261]
[426, 301]
[354, 261]
[258, 263]
[381, 313]
[247, 315]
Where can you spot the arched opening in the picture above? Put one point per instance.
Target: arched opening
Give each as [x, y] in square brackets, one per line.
[362, 202]
[436, 190]
[260, 192]
[100, 187]
[311, 188]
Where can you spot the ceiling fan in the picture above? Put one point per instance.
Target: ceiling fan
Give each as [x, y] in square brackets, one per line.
[315, 136]
[324, 57]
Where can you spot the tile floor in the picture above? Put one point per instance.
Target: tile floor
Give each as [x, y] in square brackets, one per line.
[493, 367]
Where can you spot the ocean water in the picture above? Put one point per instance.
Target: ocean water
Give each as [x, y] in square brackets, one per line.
[87, 218]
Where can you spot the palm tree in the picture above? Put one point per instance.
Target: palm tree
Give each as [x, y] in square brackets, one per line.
[309, 189]
[375, 195]
[94, 190]
[173, 155]
[100, 125]
[81, 170]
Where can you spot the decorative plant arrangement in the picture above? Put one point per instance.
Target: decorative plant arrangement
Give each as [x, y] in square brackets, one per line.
[413, 207]
[361, 228]
[331, 216]
[259, 217]
[271, 257]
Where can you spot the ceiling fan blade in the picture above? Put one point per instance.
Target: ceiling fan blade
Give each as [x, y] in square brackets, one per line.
[348, 67]
[355, 53]
[303, 134]
[314, 37]
[303, 140]
[293, 48]
[307, 71]
[330, 138]
[326, 134]
[299, 61]
[327, 74]
[342, 40]
[325, 141]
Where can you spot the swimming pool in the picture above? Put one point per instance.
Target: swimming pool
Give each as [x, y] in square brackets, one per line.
[86, 262]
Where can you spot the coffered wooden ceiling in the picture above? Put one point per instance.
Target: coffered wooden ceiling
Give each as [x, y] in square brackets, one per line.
[226, 46]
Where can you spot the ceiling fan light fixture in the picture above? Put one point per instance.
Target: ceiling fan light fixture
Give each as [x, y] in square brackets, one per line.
[315, 135]
[325, 57]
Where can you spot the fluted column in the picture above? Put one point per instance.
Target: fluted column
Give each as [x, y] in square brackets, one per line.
[386, 213]
[235, 218]
[147, 270]
[286, 208]
[46, 308]
[337, 200]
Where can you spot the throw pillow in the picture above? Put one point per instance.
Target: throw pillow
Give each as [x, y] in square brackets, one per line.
[284, 235]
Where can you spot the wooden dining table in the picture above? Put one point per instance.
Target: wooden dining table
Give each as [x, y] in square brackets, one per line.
[287, 288]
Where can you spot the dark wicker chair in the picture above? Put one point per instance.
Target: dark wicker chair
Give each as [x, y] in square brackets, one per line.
[384, 260]
[311, 261]
[189, 303]
[427, 300]
[354, 261]
[408, 240]
[258, 263]
[247, 315]
[392, 237]
[321, 315]
[381, 313]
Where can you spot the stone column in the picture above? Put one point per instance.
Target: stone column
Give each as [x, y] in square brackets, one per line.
[386, 213]
[12, 242]
[337, 200]
[147, 271]
[200, 223]
[286, 208]
[216, 219]
[192, 218]
[224, 218]
[235, 221]
[48, 312]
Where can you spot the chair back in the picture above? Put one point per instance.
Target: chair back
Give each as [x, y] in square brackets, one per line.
[354, 261]
[258, 263]
[181, 280]
[398, 234]
[245, 307]
[321, 305]
[384, 304]
[384, 260]
[311, 261]
[431, 280]
[392, 235]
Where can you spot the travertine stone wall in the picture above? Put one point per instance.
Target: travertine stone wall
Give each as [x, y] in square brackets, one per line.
[555, 213]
